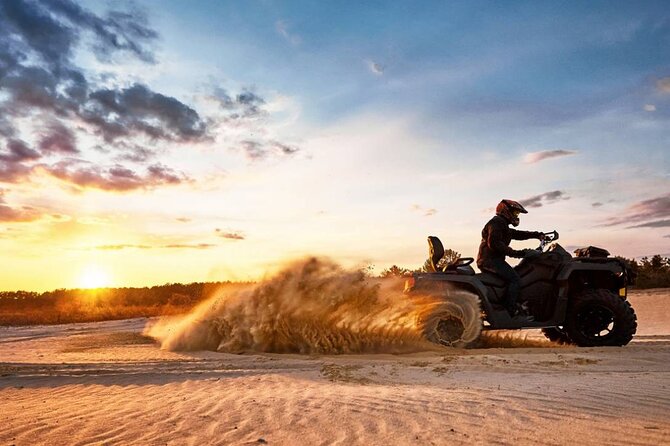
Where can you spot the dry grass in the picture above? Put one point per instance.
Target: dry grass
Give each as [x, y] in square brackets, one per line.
[76, 312]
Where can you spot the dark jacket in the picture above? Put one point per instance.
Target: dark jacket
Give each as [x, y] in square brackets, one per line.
[496, 237]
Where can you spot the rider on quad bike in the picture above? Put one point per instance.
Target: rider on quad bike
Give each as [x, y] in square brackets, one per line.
[580, 300]
[496, 237]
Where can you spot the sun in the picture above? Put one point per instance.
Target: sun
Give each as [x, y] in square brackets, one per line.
[93, 276]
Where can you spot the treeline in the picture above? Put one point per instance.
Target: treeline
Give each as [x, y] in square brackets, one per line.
[651, 272]
[89, 305]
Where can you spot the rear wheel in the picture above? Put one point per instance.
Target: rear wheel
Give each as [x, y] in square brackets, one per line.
[448, 331]
[455, 321]
[557, 335]
[600, 318]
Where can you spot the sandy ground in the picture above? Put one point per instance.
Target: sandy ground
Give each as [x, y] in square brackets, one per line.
[105, 383]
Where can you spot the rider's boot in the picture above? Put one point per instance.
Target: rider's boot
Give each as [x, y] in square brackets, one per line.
[520, 313]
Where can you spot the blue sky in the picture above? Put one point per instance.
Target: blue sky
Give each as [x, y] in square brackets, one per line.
[232, 136]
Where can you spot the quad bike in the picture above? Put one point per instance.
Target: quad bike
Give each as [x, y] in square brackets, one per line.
[574, 300]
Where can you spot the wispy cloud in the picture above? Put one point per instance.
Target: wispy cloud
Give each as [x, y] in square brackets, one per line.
[189, 246]
[118, 178]
[537, 201]
[375, 67]
[535, 157]
[651, 213]
[259, 150]
[283, 29]
[652, 224]
[122, 246]
[230, 235]
[597, 204]
[245, 105]
[427, 212]
[21, 214]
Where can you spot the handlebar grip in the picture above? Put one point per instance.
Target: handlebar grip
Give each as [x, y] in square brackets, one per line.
[553, 234]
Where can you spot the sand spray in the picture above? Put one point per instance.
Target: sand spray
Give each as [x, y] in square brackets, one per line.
[316, 306]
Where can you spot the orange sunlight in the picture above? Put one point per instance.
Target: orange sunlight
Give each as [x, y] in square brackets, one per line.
[93, 276]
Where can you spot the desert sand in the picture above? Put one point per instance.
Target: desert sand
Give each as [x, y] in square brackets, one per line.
[107, 383]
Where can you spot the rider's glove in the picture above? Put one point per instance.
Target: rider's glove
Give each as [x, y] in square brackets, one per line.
[530, 253]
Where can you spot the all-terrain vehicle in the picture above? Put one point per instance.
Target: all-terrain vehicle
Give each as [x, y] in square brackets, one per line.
[575, 300]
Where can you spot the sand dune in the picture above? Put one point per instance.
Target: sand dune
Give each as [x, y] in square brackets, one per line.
[106, 383]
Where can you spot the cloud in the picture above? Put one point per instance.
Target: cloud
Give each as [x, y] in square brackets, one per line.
[13, 159]
[57, 138]
[230, 235]
[645, 213]
[663, 84]
[40, 80]
[138, 110]
[375, 68]
[117, 31]
[259, 150]
[535, 157]
[38, 45]
[652, 224]
[282, 149]
[427, 212]
[116, 178]
[183, 219]
[245, 105]
[126, 126]
[283, 29]
[597, 204]
[189, 246]
[537, 201]
[10, 214]
[135, 153]
[122, 246]
[18, 151]
[649, 107]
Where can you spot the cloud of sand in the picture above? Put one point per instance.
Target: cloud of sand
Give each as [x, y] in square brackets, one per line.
[315, 306]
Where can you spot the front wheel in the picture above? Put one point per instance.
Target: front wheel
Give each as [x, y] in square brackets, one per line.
[600, 318]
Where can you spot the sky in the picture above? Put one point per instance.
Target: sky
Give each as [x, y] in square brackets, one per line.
[215, 140]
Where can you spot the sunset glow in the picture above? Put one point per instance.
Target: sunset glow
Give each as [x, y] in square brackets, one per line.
[217, 142]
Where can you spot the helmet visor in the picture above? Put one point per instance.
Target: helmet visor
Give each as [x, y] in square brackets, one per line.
[516, 213]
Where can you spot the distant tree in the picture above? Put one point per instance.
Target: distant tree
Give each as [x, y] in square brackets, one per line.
[658, 263]
[395, 271]
[651, 272]
[450, 256]
[180, 300]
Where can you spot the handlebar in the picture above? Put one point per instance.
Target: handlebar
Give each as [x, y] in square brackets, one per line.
[549, 237]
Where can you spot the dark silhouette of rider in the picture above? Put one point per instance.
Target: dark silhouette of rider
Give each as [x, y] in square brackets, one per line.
[496, 237]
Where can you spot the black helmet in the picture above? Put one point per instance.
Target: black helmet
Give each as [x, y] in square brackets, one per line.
[510, 210]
